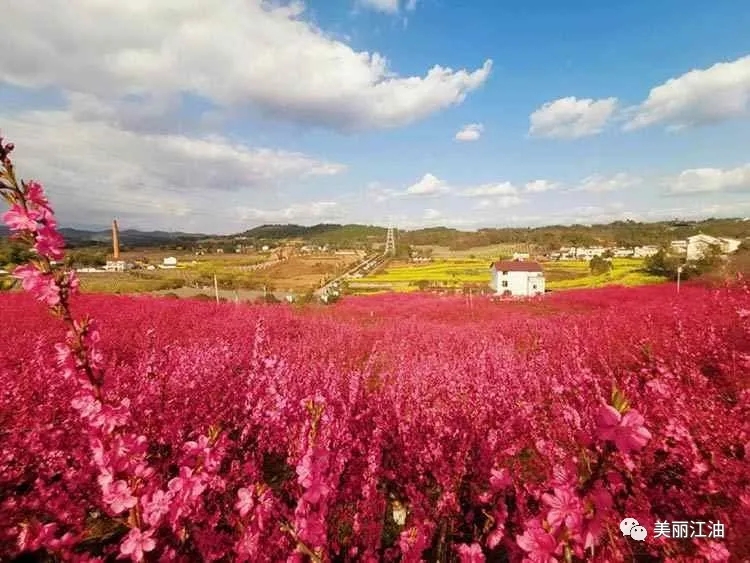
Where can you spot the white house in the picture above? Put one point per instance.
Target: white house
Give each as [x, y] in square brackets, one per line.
[589, 253]
[115, 266]
[645, 251]
[679, 246]
[698, 245]
[169, 262]
[521, 256]
[517, 278]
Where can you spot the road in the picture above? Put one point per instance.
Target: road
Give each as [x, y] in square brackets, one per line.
[367, 265]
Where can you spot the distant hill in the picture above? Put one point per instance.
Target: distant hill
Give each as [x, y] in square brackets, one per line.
[322, 234]
[128, 237]
[620, 233]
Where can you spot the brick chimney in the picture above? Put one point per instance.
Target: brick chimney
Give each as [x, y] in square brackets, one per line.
[115, 240]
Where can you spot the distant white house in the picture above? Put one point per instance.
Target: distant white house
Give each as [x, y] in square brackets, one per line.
[679, 246]
[521, 256]
[697, 246]
[517, 278]
[589, 253]
[645, 251]
[115, 266]
[169, 262]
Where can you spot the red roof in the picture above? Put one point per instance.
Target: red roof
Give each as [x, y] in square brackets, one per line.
[516, 266]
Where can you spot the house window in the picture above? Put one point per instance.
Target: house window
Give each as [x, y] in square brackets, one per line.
[533, 286]
[504, 273]
[505, 284]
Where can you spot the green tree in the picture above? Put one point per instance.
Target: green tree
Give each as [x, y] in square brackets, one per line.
[661, 264]
[599, 266]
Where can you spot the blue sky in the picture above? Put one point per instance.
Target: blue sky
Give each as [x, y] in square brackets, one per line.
[183, 116]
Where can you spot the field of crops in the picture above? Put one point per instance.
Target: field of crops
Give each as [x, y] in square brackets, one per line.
[559, 275]
[385, 428]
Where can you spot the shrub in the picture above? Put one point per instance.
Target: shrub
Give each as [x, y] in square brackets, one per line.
[599, 266]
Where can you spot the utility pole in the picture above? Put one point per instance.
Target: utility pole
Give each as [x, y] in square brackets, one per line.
[390, 242]
[216, 288]
[679, 272]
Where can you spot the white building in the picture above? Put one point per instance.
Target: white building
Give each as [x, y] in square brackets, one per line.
[645, 251]
[589, 253]
[169, 262]
[115, 266]
[517, 278]
[698, 245]
[521, 256]
[678, 246]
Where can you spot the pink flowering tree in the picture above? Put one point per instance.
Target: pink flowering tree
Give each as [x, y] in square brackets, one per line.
[185, 432]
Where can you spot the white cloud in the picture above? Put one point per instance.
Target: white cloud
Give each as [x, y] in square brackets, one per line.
[502, 202]
[501, 188]
[709, 180]
[601, 184]
[470, 132]
[384, 6]
[429, 185]
[235, 54]
[539, 186]
[95, 171]
[571, 118]
[298, 212]
[411, 5]
[698, 97]
[432, 214]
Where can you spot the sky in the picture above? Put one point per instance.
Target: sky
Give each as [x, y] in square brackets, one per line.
[215, 117]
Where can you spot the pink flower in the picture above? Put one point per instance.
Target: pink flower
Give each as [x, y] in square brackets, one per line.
[500, 515]
[540, 545]
[245, 502]
[73, 281]
[565, 508]
[35, 194]
[500, 479]
[156, 508]
[19, 219]
[49, 243]
[42, 286]
[136, 543]
[119, 497]
[470, 553]
[714, 552]
[627, 432]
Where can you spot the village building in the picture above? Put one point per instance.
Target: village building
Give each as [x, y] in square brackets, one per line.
[169, 262]
[697, 246]
[115, 266]
[517, 278]
[645, 251]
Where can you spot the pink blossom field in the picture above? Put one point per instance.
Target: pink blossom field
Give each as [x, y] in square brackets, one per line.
[384, 428]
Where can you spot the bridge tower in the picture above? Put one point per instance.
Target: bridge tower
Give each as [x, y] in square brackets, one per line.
[390, 242]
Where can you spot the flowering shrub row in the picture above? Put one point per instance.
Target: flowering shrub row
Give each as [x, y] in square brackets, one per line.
[383, 429]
